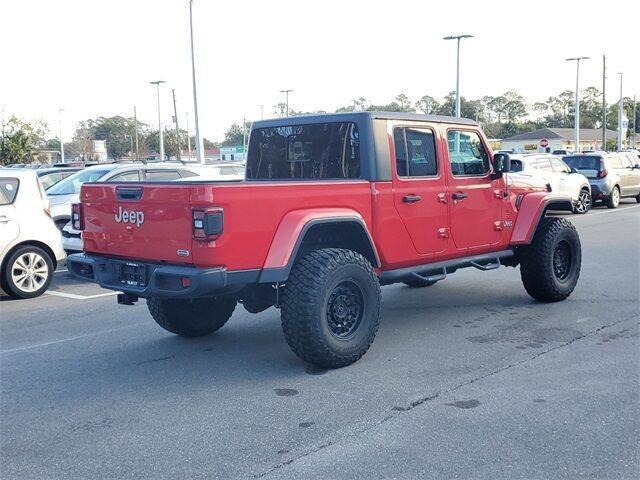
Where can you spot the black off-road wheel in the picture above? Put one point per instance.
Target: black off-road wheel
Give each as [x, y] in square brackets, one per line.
[550, 266]
[418, 283]
[614, 199]
[191, 318]
[331, 307]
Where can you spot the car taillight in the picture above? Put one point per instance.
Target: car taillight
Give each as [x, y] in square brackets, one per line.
[77, 220]
[603, 169]
[207, 223]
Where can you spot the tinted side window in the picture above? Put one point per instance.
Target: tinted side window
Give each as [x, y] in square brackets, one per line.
[162, 175]
[417, 152]
[516, 166]
[320, 150]
[467, 154]
[8, 190]
[132, 176]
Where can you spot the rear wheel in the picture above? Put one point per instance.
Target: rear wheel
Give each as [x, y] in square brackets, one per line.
[550, 266]
[191, 318]
[583, 205]
[27, 272]
[331, 307]
[614, 199]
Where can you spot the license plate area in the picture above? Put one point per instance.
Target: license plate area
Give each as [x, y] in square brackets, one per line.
[132, 274]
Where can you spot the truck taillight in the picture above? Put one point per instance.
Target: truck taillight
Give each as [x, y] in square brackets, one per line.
[207, 223]
[603, 169]
[77, 220]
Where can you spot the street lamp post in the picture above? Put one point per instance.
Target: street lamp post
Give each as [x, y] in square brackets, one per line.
[620, 114]
[458, 38]
[160, 139]
[60, 110]
[286, 92]
[577, 104]
[198, 139]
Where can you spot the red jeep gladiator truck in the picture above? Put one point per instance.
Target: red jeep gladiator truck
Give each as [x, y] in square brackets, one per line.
[333, 206]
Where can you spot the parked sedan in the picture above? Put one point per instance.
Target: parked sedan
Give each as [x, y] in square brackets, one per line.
[559, 177]
[612, 175]
[30, 244]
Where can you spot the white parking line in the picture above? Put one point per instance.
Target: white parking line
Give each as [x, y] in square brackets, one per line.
[62, 270]
[600, 212]
[80, 297]
[38, 345]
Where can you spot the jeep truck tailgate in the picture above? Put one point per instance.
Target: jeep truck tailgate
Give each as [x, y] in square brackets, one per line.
[138, 221]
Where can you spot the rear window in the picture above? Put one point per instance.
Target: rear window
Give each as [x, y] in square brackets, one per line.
[8, 190]
[316, 151]
[583, 163]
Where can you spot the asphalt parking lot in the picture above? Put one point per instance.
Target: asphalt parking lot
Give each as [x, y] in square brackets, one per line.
[469, 378]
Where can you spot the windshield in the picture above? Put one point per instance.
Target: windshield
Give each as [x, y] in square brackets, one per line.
[583, 162]
[71, 185]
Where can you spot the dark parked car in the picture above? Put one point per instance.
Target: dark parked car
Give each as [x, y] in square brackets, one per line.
[612, 175]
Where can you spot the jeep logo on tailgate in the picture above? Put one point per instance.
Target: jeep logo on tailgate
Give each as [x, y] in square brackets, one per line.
[129, 216]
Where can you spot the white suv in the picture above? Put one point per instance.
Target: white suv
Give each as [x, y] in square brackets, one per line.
[30, 244]
[557, 175]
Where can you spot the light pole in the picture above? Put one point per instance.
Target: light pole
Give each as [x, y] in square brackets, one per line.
[287, 92]
[620, 113]
[135, 129]
[175, 117]
[160, 139]
[199, 142]
[577, 104]
[186, 117]
[60, 110]
[458, 38]
[261, 111]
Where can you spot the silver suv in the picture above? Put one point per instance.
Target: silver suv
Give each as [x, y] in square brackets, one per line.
[612, 175]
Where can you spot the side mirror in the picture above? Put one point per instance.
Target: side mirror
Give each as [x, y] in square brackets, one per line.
[574, 170]
[637, 165]
[501, 164]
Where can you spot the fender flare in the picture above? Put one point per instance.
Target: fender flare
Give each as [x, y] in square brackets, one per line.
[532, 209]
[291, 232]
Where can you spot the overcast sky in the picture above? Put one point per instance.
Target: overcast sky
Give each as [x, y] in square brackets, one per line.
[96, 57]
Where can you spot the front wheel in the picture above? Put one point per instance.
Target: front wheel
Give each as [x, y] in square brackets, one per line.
[191, 318]
[550, 266]
[583, 205]
[27, 272]
[331, 307]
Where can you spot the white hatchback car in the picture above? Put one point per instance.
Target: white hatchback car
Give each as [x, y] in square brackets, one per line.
[30, 243]
[557, 175]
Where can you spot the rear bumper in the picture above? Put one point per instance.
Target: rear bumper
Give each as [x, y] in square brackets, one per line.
[600, 190]
[168, 281]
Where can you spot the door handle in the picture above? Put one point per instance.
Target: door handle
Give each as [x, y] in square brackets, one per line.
[411, 198]
[4, 219]
[459, 195]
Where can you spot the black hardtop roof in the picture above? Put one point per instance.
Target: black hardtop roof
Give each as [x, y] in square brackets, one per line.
[359, 116]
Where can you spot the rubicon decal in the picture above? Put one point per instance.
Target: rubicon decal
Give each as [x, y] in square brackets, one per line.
[129, 216]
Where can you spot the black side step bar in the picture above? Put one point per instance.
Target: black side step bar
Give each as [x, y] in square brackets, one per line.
[436, 271]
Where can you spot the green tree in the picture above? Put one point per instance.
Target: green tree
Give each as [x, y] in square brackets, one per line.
[427, 105]
[21, 140]
[235, 134]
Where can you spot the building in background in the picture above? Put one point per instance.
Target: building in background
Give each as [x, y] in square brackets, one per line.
[550, 139]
